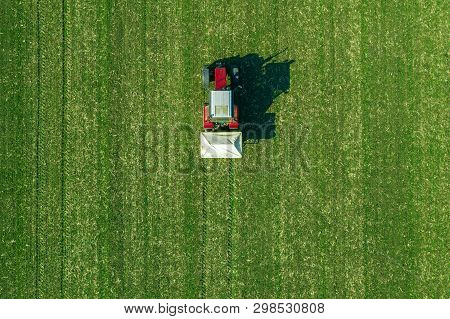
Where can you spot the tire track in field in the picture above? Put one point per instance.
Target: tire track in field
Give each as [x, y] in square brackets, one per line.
[204, 167]
[143, 133]
[204, 225]
[204, 235]
[229, 26]
[101, 138]
[204, 164]
[38, 106]
[118, 97]
[63, 141]
[231, 195]
[335, 155]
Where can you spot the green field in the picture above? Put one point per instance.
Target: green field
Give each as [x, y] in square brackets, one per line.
[103, 193]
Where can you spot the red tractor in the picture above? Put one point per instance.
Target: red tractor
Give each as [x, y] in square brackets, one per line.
[221, 137]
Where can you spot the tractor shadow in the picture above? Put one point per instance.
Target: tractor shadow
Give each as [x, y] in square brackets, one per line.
[262, 80]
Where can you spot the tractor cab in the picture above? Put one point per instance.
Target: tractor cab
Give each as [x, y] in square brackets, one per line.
[221, 106]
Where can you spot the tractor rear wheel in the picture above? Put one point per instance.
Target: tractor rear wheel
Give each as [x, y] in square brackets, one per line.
[205, 75]
[235, 76]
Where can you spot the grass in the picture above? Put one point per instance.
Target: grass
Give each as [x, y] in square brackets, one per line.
[346, 198]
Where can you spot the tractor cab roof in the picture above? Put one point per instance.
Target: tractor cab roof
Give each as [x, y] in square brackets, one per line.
[221, 104]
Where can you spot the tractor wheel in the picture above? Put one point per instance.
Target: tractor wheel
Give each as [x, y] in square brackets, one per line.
[235, 76]
[205, 75]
